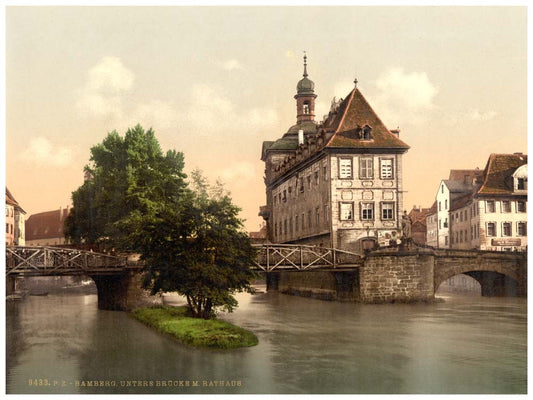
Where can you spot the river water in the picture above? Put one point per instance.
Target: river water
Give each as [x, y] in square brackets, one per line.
[62, 343]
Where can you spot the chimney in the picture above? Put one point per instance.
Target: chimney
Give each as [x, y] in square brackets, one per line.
[300, 137]
[396, 132]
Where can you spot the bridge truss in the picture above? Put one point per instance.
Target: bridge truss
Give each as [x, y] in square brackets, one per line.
[22, 260]
[275, 257]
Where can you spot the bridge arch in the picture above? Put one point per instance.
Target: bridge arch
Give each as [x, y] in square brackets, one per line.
[498, 276]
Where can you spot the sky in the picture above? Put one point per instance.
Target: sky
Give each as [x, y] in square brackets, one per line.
[215, 82]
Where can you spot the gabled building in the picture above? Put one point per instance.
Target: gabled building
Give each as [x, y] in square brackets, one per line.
[490, 213]
[418, 217]
[46, 228]
[337, 183]
[458, 183]
[15, 234]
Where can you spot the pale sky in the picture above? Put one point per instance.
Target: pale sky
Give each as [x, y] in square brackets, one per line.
[215, 82]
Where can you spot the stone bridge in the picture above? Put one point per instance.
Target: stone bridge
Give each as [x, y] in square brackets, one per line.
[383, 276]
[396, 275]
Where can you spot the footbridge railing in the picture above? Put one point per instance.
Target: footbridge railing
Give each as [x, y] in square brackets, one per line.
[46, 260]
[273, 257]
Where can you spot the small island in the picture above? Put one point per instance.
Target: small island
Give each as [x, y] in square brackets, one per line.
[197, 332]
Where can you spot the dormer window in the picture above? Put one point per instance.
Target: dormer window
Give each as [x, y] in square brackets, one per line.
[521, 183]
[367, 135]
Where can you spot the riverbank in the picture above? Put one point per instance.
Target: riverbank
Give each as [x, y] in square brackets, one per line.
[211, 333]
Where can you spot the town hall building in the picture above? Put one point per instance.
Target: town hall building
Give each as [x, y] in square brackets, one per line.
[337, 183]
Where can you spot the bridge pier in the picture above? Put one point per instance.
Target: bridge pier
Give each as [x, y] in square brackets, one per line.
[403, 277]
[123, 292]
[272, 281]
[10, 284]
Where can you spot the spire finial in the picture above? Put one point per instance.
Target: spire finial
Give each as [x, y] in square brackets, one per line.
[355, 81]
[305, 64]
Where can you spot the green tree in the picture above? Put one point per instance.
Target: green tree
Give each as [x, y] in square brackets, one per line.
[130, 180]
[200, 251]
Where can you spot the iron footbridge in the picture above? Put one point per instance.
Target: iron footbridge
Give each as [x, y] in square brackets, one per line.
[287, 257]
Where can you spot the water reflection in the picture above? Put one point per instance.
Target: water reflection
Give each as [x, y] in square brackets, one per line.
[465, 345]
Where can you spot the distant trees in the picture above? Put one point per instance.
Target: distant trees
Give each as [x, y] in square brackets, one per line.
[190, 238]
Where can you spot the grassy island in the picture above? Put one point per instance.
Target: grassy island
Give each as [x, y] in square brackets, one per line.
[211, 333]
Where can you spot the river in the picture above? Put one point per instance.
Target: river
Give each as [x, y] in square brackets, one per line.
[61, 343]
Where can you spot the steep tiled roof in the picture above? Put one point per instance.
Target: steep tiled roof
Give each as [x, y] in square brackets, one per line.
[419, 214]
[461, 174]
[500, 167]
[10, 199]
[458, 186]
[433, 208]
[461, 201]
[353, 113]
[48, 224]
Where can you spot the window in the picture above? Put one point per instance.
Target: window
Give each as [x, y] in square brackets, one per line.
[290, 226]
[366, 168]
[506, 229]
[521, 183]
[317, 215]
[325, 172]
[491, 206]
[275, 229]
[520, 206]
[309, 220]
[440, 206]
[345, 168]
[445, 204]
[445, 222]
[316, 177]
[306, 108]
[386, 169]
[442, 189]
[461, 216]
[7, 228]
[284, 196]
[387, 211]
[446, 240]
[309, 181]
[346, 211]
[461, 237]
[440, 224]
[367, 133]
[325, 213]
[296, 227]
[301, 184]
[491, 229]
[506, 206]
[367, 211]
[521, 229]
[285, 226]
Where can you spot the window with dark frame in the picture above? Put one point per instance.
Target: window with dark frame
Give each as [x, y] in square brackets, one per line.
[506, 229]
[521, 229]
[491, 229]
[367, 211]
[387, 211]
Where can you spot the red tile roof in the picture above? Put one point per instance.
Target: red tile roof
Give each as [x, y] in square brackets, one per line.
[45, 225]
[353, 113]
[499, 169]
[10, 199]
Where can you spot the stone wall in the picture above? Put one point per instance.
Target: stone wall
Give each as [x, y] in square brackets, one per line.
[341, 286]
[398, 277]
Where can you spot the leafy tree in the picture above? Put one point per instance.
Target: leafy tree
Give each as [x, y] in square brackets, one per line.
[129, 180]
[136, 198]
[201, 251]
